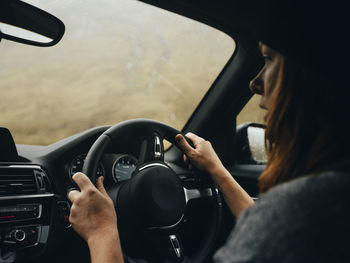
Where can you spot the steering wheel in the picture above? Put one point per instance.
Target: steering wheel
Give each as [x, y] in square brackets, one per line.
[153, 202]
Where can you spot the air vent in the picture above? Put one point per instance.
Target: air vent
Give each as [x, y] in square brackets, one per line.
[17, 181]
[17, 184]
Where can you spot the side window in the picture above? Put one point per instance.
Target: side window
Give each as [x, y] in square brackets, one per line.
[251, 112]
[251, 134]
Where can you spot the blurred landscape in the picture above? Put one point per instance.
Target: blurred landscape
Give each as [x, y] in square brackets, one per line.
[117, 60]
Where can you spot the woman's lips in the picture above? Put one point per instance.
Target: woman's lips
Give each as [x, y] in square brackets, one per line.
[262, 105]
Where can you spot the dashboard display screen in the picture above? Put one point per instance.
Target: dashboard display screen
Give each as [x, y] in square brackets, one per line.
[123, 168]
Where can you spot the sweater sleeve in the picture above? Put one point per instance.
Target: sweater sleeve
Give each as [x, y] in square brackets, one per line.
[294, 222]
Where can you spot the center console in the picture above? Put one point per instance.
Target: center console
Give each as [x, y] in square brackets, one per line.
[25, 208]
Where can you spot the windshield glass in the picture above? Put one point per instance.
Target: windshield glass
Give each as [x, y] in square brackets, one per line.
[117, 60]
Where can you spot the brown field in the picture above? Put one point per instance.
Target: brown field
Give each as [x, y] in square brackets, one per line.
[251, 112]
[126, 60]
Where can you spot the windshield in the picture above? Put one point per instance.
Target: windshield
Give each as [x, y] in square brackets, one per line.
[117, 60]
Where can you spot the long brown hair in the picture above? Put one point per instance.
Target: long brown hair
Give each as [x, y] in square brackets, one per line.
[306, 126]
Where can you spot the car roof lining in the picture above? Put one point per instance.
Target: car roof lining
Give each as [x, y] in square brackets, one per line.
[229, 16]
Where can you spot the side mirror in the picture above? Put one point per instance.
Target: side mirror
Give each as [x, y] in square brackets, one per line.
[27, 24]
[250, 144]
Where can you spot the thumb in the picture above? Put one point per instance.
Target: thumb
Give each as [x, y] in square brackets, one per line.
[100, 186]
[183, 144]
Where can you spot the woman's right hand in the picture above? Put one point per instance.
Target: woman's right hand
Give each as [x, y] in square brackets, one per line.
[202, 155]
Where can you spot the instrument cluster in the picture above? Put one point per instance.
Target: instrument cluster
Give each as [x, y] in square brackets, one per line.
[123, 165]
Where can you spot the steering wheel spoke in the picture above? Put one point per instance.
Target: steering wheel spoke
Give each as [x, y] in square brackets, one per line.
[169, 246]
[152, 149]
[176, 250]
[191, 194]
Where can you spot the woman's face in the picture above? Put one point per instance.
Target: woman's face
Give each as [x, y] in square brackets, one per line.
[265, 82]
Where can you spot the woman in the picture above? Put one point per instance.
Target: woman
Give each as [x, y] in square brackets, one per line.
[306, 218]
[205, 158]
[302, 215]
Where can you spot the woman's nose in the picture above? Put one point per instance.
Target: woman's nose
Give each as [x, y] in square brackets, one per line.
[256, 85]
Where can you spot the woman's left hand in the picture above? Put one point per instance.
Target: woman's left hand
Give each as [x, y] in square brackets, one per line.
[92, 214]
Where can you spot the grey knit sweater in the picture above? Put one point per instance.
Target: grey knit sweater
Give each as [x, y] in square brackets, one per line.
[305, 220]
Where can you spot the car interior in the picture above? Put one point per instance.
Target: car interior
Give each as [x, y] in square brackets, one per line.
[166, 212]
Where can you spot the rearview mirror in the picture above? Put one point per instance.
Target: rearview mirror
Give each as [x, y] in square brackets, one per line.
[27, 24]
[250, 144]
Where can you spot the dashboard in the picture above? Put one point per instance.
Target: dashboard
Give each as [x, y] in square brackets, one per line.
[34, 212]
